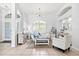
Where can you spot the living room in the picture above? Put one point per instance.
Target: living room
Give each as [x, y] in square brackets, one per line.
[39, 28]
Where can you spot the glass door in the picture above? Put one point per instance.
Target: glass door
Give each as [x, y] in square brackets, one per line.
[7, 30]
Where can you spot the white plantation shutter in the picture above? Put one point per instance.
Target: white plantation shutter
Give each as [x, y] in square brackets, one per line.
[39, 26]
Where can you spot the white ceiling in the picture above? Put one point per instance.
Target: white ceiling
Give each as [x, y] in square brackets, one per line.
[5, 6]
[32, 8]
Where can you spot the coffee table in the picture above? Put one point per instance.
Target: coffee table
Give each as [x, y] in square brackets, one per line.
[42, 41]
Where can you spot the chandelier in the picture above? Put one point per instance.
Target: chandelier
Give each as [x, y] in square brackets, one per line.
[38, 13]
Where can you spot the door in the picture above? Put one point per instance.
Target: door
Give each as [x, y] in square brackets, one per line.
[7, 30]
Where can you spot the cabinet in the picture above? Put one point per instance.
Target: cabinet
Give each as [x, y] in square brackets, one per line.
[62, 42]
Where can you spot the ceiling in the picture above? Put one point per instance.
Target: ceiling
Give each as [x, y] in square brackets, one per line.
[6, 6]
[33, 8]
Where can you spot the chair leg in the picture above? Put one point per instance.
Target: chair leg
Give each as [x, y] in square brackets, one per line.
[35, 42]
[69, 48]
[53, 46]
[63, 51]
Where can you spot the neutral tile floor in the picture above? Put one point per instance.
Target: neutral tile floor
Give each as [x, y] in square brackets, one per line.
[29, 49]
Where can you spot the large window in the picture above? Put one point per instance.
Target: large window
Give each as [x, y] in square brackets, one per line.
[39, 26]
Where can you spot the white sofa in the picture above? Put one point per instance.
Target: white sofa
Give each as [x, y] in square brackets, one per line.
[43, 39]
[63, 43]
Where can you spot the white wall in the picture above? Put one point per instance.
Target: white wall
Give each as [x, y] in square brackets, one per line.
[25, 21]
[75, 25]
[51, 21]
[0, 26]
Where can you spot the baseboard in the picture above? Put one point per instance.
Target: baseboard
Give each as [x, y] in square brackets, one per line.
[5, 41]
[1, 40]
[75, 48]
